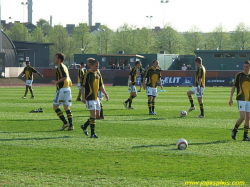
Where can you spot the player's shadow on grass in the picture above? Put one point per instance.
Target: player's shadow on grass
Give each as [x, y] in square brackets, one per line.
[190, 144]
[25, 139]
[29, 120]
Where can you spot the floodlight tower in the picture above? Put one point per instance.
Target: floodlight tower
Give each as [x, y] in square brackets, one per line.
[90, 13]
[164, 2]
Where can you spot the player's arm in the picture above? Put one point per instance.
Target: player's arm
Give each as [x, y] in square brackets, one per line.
[159, 80]
[129, 80]
[83, 94]
[143, 83]
[104, 92]
[231, 96]
[199, 84]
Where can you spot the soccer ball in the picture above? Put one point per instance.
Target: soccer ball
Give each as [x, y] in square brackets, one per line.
[182, 144]
[183, 113]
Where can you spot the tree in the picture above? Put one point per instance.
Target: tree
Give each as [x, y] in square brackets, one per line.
[194, 39]
[18, 32]
[37, 35]
[60, 38]
[82, 37]
[104, 38]
[170, 40]
[241, 37]
[125, 39]
[218, 39]
[45, 25]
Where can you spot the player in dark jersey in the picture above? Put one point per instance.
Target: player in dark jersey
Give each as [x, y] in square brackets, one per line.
[131, 85]
[91, 84]
[80, 76]
[63, 94]
[142, 71]
[153, 75]
[199, 87]
[242, 84]
[28, 73]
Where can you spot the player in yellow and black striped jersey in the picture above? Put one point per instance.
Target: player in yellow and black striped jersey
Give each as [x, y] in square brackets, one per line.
[242, 84]
[91, 84]
[28, 73]
[63, 94]
[153, 76]
[80, 76]
[131, 85]
[199, 87]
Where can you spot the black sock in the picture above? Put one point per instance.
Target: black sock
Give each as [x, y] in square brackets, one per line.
[202, 109]
[92, 125]
[149, 106]
[101, 112]
[191, 100]
[60, 115]
[236, 126]
[70, 117]
[153, 106]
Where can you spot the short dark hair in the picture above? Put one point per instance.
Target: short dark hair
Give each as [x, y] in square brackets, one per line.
[82, 63]
[61, 56]
[247, 62]
[198, 60]
[137, 62]
[27, 62]
[92, 62]
[154, 60]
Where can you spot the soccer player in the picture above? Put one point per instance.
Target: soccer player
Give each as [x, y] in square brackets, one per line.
[153, 75]
[28, 73]
[131, 85]
[242, 84]
[80, 76]
[63, 94]
[142, 71]
[199, 88]
[92, 82]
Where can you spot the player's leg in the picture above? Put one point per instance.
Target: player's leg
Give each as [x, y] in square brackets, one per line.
[191, 100]
[56, 107]
[26, 91]
[132, 96]
[150, 104]
[242, 110]
[200, 101]
[153, 104]
[154, 94]
[79, 92]
[69, 116]
[92, 123]
[238, 123]
[31, 92]
[246, 126]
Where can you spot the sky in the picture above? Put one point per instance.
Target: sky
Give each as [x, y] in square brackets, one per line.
[182, 15]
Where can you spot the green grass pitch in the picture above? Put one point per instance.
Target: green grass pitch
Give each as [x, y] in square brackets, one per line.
[133, 149]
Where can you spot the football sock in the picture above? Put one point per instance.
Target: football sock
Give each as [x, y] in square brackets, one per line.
[153, 106]
[246, 129]
[31, 92]
[70, 117]
[60, 115]
[92, 125]
[191, 100]
[86, 124]
[236, 126]
[202, 109]
[149, 106]
[130, 100]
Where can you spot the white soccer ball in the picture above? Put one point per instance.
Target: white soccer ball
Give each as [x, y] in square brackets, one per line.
[182, 144]
[183, 113]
